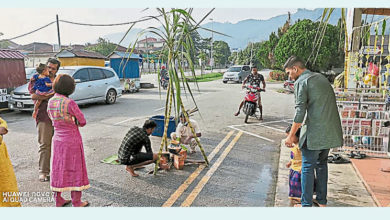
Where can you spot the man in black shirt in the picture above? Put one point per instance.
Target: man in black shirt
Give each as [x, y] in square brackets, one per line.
[130, 154]
[254, 79]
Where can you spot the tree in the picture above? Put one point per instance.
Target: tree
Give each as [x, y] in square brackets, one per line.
[104, 47]
[233, 58]
[4, 44]
[299, 41]
[221, 52]
[244, 56]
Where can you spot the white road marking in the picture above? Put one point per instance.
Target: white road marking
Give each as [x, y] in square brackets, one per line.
[255, 135]
[276, 129]
[130, 119]
[159, 109]
[261, 123]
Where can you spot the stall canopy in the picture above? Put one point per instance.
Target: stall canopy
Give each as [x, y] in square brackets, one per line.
[126, 65]
[12, 72]
[80, 58]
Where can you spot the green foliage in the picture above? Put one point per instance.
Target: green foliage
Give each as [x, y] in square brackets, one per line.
[299, 41]
[206, 77]
[221, 52]
[4, 44]
[104, 47]
[244, 56]
[278, 75]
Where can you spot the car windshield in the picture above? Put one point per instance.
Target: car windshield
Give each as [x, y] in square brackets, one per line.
[30, 73]
[234, 69]
[66, 71]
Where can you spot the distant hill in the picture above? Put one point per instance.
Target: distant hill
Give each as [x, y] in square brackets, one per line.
[245, 31]
[253, 30]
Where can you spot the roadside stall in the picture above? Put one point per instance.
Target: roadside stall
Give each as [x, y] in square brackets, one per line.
[12, 74]
[364, 101]
[126, 65]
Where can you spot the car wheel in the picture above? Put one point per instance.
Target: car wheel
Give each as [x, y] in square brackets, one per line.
[111, 96]
[240, 80]
[224, 82]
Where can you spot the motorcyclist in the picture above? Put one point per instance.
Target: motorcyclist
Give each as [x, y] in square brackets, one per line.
[254, 79]
[163, 73]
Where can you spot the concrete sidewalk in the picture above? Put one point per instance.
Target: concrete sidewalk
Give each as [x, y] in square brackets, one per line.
[345, 188]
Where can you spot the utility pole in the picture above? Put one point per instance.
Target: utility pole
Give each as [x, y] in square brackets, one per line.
[211, 45]
[34, 56]
[58, 33]
[251, 54]
[147, 53]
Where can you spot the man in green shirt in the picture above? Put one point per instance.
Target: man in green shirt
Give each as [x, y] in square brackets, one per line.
[321, 131]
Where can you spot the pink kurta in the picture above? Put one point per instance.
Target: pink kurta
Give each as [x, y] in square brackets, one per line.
[68, 170]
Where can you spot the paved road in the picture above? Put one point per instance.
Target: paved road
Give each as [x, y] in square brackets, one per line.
[241, 173]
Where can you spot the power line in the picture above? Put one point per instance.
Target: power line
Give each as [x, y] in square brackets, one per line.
[22, 35]
[85, 24]
[114, 24]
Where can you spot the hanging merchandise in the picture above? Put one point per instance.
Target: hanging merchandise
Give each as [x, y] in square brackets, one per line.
[367, 79]
[373, 69]
[381, 52]
[375, 41]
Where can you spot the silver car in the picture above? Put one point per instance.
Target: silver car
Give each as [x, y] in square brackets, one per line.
[236, 73]
[93, 84]
[30, 72]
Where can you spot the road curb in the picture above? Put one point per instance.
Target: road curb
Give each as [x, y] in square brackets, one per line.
[5, 110]
[281, 192]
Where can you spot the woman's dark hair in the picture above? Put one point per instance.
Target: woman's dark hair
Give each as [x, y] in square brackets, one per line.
[149, 124]
[64, 84]
[54, 61]
[41, 67]
[288, 129]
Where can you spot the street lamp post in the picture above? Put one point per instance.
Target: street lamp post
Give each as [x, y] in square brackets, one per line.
[211, 45]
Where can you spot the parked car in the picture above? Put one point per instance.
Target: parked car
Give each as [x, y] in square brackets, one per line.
[93, 84]
[236, 73]
[30, 72]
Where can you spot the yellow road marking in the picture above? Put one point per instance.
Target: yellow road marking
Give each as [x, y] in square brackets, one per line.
[195, 174]
[190, 199]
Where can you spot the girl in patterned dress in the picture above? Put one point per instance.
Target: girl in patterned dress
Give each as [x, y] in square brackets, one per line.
[295, 165]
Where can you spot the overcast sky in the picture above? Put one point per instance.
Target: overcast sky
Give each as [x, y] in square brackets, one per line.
[14, 22]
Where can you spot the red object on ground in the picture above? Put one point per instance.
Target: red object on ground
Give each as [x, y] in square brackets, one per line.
[178, 162]
[376, 181]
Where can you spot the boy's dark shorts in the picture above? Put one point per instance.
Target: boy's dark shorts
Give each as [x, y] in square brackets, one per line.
[138, 158]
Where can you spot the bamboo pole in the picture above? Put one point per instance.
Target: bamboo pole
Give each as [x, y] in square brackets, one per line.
[346, 61]
[193, 133]
[166, 121]
[380, 59]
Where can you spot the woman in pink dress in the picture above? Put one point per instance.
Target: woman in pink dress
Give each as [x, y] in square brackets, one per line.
[68, 172]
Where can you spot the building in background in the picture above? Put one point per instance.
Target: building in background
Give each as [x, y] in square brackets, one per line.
[150, 44]
[12, 73]
[80, 58]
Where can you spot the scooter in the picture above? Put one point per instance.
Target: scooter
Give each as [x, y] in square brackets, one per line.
[250, 104]
[164, 82]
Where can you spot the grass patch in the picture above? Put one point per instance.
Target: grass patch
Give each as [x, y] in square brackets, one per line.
[206, 77]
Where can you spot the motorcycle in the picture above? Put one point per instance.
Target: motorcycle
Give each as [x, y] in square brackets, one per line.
[289, 85]
[250, 104]
[164, 82]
